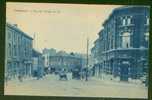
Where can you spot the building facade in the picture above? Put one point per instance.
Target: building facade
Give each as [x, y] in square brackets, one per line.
[69, 63]
[46, 54]
[38, 64]
[18, 51]
[54, 61]
[122, 47]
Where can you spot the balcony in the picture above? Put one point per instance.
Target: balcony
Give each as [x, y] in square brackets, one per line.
[127, 25]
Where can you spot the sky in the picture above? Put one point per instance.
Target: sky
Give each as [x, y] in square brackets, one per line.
[60, 26]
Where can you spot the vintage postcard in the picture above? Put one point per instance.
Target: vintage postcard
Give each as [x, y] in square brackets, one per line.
[77, 50]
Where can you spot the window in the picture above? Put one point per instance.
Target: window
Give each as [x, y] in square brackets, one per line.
[15, 50]
[24, 52]
[111, 39]
[147, 36]
[126, 40]
[129, 20]
[123, 21]
[14, 35]
[9, 49]
[147, 20]
[9, 34]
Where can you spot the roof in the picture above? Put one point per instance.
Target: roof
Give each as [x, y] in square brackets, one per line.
[130, 7]
[35, 53]
[123, 8]
[62, 56]
[17, 29]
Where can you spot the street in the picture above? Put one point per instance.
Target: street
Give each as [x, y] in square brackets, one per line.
[50, 85]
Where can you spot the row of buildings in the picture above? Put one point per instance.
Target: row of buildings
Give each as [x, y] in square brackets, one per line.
[21, 59]
[52, 57]
[121, 49]
[57, 61]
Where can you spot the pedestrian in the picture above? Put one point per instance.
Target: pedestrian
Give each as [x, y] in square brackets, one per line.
[6, 79]
[69, 75]
[82, 75]
[63, 75]
[20, 78]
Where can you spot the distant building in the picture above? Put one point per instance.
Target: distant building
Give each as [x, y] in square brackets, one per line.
[56, 61]
[46, 54]
[65, 62]
[122, 47]
[38, 63]
[18, 47]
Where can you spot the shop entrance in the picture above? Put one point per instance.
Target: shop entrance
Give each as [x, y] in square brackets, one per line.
[124, 70]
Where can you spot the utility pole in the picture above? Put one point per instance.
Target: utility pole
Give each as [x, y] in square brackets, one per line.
[87, 63]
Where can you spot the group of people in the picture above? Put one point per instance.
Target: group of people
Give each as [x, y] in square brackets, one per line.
[74, 74]
[8, 77]
[65, 75]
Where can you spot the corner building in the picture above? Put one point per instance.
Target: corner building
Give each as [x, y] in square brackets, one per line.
[18, 52]
[121, 49]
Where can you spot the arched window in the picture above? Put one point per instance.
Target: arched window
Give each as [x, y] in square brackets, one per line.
[126, 40]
